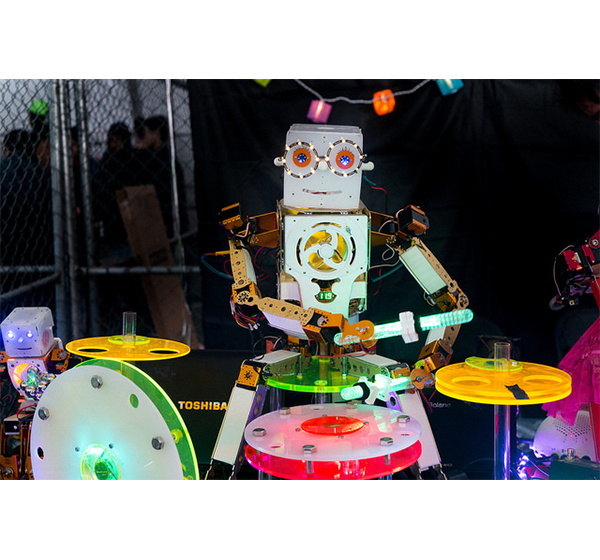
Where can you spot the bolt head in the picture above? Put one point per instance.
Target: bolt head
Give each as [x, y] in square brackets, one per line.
[284, 411]
[43, 413]
[158, 443]
[403, 419]
[96, 381]
[309, 449]
[259, 432]
[386, 441]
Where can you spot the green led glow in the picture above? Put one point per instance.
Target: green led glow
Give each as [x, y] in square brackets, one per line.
[448, 319]
[352, 393]
[325, 296]
[98, 463]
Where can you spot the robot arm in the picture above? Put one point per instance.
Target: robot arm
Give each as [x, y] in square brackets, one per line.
[402, 233]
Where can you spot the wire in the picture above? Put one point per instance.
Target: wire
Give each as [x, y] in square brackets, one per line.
[212, 269]
[358, 101]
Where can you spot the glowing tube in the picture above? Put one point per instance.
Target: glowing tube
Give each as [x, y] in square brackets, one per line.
[352, 393]
[448, 319]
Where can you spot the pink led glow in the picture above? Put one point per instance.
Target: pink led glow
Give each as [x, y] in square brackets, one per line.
[318, 111]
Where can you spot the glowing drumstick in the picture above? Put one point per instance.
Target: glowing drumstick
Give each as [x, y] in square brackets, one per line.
[426, 323]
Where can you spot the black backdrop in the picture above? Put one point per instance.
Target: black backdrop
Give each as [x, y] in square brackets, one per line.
[507, 176]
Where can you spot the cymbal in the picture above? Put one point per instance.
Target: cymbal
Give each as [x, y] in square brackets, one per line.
[143, 348]
[476, 380]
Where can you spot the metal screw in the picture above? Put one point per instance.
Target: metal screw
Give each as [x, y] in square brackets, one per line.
[386, 441]
[43, 413]
[97, 381]
[259, 432]
[309, 449]
[403, 419]
[158, 443]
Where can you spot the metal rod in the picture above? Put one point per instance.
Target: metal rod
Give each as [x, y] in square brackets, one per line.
[69, 206]
[174, 270]
[61, 319]
[174, 193]
[88, 213]
[28, 287]
[24, 269]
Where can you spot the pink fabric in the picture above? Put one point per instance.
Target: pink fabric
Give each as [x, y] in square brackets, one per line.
[582, 363]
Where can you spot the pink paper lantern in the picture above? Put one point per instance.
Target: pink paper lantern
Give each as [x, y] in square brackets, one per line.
[319, 111]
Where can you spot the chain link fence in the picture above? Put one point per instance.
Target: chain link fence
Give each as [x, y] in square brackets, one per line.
[98, 209]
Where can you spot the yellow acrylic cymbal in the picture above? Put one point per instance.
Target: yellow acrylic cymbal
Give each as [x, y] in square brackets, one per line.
[476, 380]
[140, 349]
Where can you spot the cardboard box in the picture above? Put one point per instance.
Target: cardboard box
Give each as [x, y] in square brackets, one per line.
[149, 243]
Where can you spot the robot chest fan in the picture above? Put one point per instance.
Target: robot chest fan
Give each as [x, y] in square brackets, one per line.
[325, 256]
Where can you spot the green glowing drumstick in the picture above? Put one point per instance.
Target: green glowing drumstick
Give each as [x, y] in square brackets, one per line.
[426, 323]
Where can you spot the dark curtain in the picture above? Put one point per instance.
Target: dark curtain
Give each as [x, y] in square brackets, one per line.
[507, 176]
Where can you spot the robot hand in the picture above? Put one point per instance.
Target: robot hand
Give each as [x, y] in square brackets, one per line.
[380, 388]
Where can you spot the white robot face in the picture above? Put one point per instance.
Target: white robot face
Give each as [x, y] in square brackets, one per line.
[323, 166]
[27, 332]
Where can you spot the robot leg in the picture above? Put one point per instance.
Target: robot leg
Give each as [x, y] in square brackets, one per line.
[246, 403]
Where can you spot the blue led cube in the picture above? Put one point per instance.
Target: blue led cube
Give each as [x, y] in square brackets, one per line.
[448, 87]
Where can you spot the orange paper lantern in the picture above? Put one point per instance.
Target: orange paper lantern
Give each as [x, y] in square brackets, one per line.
[384, 102]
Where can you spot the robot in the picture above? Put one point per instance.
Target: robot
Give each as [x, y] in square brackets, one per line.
[33, 358]
[324, 234]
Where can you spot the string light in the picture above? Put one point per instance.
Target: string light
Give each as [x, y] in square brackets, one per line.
[448, 87]
[384, 102]
[318, 111]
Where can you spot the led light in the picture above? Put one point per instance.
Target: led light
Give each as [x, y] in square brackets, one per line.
[10, 335]
[448, 87]
[352, 393]
[319, 111]
[384, 102]
[98, 463]
[29, 334]
[448, 319]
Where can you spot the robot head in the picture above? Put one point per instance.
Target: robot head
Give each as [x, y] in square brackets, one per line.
[27, 332]
[555, 436]
[323, 165]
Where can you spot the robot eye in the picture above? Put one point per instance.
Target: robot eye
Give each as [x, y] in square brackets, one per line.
[344, 157]
[29, 334]
[300, 160]
[10, 335]
[301, 157]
